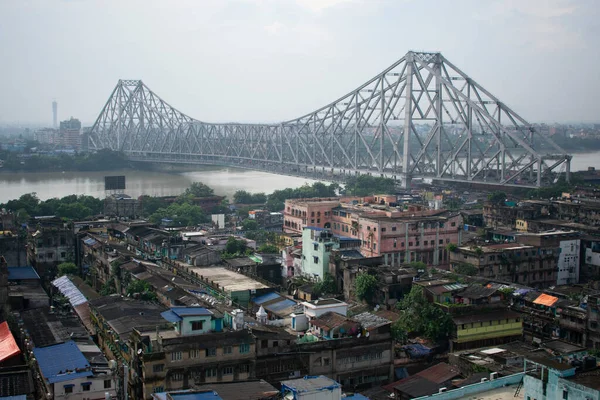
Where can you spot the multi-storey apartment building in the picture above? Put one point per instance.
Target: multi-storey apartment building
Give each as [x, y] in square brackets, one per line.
[399, 235]
[198, 350]
[50, 241]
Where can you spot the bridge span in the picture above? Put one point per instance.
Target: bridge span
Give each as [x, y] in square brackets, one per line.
[422, 117]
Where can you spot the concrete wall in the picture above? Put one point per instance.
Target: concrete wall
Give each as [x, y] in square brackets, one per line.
[96, 391]
[477, 388]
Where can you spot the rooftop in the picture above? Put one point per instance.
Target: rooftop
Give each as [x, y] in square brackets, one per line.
[247, 390]
[62, 362]
[177, 314]
[8, 345]
[123, 314]
[228, 280]
[485, 316]
[370, 321]
[22, 273]
[309, 384]
[188, 395]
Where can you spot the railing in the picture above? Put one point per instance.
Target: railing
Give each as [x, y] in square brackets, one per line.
[476, 388]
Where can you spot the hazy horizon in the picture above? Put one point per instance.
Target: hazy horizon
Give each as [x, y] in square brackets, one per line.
[270, 60]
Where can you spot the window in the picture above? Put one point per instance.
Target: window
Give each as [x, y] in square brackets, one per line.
[244, 348]
[312, 221]
[63, 254]
[176, 356]
[86, 387]
[315, 259]
[211, 352]
[425, 242]
[228, 371]
[318, 220]
[244, 369]
[177, 376]
[312, 214]
[197, 325]
[107, 384]
[264, 344]
[402, 244]
[326, 361]
[393, 229]
[158, 367]
[227, 350]
[211, 373]
[410, 244]
[315, 246]
[565, 395]
[158, 389]
[68, 388]
[394, 244]
[195, 353]
[383, 229]
[441, 241]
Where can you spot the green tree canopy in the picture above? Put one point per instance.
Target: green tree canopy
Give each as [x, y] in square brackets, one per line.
[67, 268]
[245, 197]
[325, 286]
[235, 246]
[365, 286]
[181, 214]
[497, 197]
[418, 316]
[366, 185]
[268, 249]
[249, 225]
[199, 189]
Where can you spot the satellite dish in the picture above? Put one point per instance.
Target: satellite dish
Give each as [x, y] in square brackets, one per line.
[357, 336]
[139, 351]
[367, 334]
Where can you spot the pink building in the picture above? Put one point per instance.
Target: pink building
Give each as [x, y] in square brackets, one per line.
[397, 235]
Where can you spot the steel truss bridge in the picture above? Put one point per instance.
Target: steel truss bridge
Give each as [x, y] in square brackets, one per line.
[422, 117]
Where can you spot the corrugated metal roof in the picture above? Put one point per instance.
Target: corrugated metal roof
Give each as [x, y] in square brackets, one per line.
[21, 397]
[8, 345]
[280, 305]
[440, 373]
[170, 316]
[265, 297]
[69, 290]
[18, 273]
[62, 362]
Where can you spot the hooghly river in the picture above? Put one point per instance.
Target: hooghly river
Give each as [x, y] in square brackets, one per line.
[225, 181]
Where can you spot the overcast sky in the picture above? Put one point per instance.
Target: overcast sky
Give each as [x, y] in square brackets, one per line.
[271, 60]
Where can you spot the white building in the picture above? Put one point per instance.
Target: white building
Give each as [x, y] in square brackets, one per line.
[568, 262]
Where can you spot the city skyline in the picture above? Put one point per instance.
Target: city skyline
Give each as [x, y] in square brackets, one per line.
[267, 61]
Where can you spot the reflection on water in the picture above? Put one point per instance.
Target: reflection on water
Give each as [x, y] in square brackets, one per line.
[225, 181]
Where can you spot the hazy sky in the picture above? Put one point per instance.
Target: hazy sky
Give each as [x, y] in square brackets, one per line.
[271, 60]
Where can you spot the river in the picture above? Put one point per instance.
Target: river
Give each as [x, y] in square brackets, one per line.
[225, 181]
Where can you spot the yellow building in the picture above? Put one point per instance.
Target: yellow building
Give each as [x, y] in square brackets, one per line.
[488, 328]
[521, 225]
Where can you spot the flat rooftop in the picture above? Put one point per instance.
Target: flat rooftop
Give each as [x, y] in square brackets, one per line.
[503, 393]
[228, 280]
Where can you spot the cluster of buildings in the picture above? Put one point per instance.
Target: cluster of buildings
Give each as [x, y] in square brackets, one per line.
[67, 136]
[162, 313]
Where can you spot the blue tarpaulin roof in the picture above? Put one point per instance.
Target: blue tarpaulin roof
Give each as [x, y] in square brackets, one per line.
[90, 241]
[417, 350]
[21, 397]
[18, 273]
[62, 362]
[176, 314]
[355, 396]
[265, 297]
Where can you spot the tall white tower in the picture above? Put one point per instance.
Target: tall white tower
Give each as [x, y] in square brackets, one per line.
[54, 114]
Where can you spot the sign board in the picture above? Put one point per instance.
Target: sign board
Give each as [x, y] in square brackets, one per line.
[114, 182]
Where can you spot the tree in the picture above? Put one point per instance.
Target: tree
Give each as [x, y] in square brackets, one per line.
[268, 249]
[249, 225]
[420, 317]
[451, 247]
[199, 189]
[242, 196]
[325, 286]
[365, 286]
[67, 268]
[275, 205]
[497, 197]
[235, 246]
[181, 214]
[142, 288]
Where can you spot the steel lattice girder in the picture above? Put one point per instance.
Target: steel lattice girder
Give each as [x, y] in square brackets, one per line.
[421, 117]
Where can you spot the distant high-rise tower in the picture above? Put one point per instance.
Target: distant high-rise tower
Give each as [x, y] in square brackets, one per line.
[54, 114]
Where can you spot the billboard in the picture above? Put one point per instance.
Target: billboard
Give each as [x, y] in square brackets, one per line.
[114, 182]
